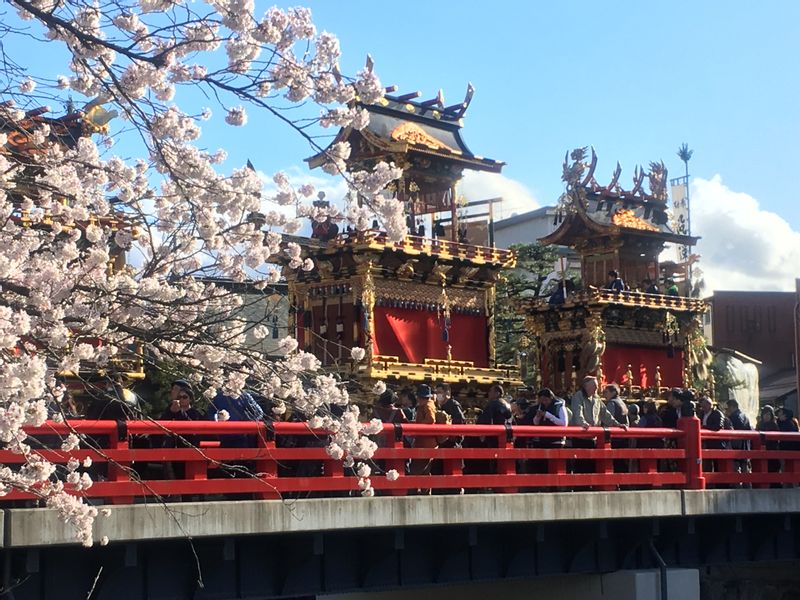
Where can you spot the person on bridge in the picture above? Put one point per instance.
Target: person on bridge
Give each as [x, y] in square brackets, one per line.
[616, 405]
[408, 403]
[180, 407]
[587, 408]
[448, 409]
[235, 408]
[589, 411]
[452, 407]
[619, 410]
[551, 412]
[712, 419]
[740, 422]
[385, 409]
[426, 414]
[768, 422]
[496, 412]
[672, 409]
[788, 424]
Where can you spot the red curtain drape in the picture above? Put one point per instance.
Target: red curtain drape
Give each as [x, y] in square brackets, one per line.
[414, 335]
[643, 361]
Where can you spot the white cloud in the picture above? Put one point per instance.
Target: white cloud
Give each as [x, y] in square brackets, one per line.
[743, 247]
[479, 185]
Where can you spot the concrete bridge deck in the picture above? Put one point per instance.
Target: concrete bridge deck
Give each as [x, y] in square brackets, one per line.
[35, 527]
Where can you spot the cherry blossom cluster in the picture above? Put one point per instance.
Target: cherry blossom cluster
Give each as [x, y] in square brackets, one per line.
[104, 255]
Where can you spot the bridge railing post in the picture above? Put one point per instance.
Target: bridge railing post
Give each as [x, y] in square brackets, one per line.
[266, 465]
[692, 446]
[118, 470]
[393, 438]
[605, 466]
[759, 465]
[507, 466]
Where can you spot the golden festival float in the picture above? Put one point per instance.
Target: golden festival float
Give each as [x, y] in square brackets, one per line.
[644, 339]
[422, 308]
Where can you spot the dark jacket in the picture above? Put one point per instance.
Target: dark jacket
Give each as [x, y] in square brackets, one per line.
[617, 285]
[714, 422]
[618, 409]
[789, 425]
[554, 415]
[182, 415]
[453, 408]
[496, 412]
[389, 414]
[740, 422]
[241, 408]
[669, 417]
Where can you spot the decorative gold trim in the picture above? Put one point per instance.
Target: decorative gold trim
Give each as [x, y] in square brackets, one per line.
[412, 133]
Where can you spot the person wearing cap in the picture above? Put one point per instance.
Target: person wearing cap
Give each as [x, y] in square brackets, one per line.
[426, 414]
[386, 410]
[180, 407]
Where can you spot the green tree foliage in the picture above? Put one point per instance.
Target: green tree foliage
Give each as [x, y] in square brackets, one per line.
[535, 263]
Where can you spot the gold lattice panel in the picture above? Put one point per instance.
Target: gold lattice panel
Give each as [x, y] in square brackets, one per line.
[429, 294]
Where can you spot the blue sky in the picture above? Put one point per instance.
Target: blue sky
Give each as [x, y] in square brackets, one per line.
[633, 79]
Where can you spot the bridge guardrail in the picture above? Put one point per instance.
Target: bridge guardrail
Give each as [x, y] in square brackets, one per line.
[131, 460]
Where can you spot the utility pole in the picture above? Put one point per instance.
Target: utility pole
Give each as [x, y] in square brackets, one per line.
[686, 155]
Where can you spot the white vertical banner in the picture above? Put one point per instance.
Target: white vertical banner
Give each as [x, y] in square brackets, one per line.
[680, 215]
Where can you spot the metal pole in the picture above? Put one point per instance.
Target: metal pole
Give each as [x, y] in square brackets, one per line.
[688, 218]
[491, 224]
[662, 567]
[797, 341]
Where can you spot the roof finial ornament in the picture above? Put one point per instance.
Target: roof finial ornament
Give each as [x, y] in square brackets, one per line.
[573, 176]
[573, 173]
[658, 181]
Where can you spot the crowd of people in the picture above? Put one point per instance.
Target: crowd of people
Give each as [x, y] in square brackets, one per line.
[586, 408]
[438, 405]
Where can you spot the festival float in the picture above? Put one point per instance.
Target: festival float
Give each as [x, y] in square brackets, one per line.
[646, 342]
[27, 138]
[423, 307]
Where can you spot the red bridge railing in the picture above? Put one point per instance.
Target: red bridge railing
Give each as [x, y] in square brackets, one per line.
[138, 459]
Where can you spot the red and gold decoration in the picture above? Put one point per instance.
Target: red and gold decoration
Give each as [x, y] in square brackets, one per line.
[644, 341]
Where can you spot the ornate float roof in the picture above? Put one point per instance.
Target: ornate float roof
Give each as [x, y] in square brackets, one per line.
[415, 258]
[65, 130]
[399, 125]
[588, 208]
